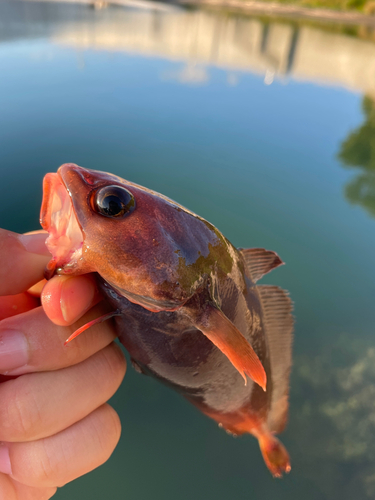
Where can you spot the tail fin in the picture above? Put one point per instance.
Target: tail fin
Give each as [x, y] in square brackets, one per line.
[274, 454]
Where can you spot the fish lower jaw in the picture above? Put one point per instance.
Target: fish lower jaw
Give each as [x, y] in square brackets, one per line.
[72, 265]
[58, 267]
[65, 237]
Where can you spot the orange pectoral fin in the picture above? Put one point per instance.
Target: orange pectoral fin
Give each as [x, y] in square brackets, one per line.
[92, 323]
[217, 327]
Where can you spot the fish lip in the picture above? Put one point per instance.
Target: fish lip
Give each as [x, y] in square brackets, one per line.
[58, 217]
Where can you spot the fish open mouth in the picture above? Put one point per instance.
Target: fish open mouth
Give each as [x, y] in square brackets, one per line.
[57, 216]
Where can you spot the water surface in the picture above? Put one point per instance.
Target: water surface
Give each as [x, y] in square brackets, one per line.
[267, 130]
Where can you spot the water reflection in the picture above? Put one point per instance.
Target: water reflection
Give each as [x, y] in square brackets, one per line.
[203, 38]
[273, 152]
[358, 150]
[275, 50]
[338, 389]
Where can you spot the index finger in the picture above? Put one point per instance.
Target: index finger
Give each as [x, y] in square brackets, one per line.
[23, 258]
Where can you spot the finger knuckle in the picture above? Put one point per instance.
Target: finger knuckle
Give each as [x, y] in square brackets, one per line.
[107, 429]
[47, 469]
[44, 471]
[38, 466]
[115, 424]
[22, 414]
[114, 362]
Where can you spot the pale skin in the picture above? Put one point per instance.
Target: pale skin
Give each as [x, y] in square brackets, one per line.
[55, 424]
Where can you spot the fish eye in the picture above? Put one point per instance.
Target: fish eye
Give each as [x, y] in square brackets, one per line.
[113, 201]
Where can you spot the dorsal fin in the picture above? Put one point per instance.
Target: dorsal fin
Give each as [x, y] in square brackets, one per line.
[278, 327]
[260, 262]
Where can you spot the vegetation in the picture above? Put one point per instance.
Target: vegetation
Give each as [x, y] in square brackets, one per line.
[364, 6]
[337, 415]
[358, 151]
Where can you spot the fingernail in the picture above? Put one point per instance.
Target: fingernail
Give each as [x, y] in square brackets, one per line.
[13, 350]
[5, 466]
[35, 243]
[36, 290]
[77, 294]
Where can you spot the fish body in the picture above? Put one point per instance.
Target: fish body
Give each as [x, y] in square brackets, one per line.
[189, 310]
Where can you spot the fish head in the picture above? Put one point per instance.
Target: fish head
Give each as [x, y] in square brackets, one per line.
[147, 247]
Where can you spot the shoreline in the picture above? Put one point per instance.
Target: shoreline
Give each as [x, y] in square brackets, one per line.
[252, 7]
[274, 9]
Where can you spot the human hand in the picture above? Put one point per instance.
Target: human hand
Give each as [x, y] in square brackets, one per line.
[54, 423]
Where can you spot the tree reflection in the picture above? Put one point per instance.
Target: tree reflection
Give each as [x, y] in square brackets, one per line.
[358, 150]
[336, 423]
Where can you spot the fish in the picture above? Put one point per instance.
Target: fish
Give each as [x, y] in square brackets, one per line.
[186, 303]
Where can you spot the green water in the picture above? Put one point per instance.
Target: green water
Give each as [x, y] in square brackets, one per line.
[268, 131]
